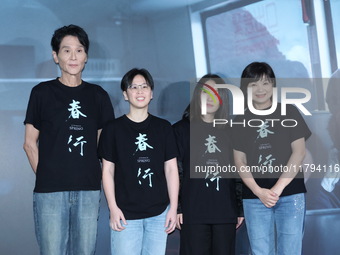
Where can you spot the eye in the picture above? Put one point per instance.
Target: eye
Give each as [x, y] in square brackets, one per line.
[145, 86]
[252, 85]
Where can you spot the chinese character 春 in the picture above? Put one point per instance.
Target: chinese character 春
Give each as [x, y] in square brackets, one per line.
[141, 144]
[263, 131]
[211, 144]
[75, 110]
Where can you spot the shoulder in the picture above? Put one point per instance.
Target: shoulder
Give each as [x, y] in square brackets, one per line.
[43, 86]
[291, 110]
[159, 121]
[96, 88]
[183, 123]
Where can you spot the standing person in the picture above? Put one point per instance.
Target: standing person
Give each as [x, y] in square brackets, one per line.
[140, 175]
[63, 121]
[208, 215]
[274, 205]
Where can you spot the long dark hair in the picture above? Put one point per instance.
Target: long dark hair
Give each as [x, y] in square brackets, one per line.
[195, 108]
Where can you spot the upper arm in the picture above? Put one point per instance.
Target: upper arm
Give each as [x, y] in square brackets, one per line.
[108, 167]
[299, 146]
[171, 165]
[240, 158]
[31, 134]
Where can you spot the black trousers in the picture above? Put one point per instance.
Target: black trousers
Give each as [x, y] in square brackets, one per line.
[208, 239]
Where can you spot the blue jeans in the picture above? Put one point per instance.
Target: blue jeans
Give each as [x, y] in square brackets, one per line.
[66, 222]
[141, 237]
[276, 230]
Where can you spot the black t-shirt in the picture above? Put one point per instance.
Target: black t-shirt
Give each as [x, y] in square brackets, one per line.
[68, 119]
[267, 146]
[139, 151]
[206, 197]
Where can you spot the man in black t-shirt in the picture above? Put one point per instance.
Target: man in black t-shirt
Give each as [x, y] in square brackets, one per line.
[63, 122]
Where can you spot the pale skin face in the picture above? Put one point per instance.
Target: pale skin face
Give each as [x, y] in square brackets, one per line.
[212, 104]
[71, 57]
[140, 95]
[262, 92]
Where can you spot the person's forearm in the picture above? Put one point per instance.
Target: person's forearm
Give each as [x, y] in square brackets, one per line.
[293, 165]
[246, 176]
[32, 152]
[108, 185]
[172, 179]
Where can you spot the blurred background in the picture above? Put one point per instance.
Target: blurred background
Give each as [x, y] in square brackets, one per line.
[178, 41]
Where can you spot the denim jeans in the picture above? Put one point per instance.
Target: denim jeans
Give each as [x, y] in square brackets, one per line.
[66, 222]
[276, 230]
[141, 237]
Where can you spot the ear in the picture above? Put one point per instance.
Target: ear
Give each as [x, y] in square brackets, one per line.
[151, 94]
[55, 57]
[125, 96]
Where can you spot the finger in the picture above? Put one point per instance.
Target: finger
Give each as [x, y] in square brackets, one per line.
[170, 228]
[167, 222]
[119, 226]
[124, 220]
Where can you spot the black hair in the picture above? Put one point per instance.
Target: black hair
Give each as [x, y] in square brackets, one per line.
[128, 78]
[72, 30]
[195, 104]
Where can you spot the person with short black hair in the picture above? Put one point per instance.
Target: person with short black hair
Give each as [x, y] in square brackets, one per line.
[63, 121]
[140, 176]
[268, 156]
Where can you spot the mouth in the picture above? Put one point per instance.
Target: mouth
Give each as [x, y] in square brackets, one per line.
[140, 98]
[260, 95]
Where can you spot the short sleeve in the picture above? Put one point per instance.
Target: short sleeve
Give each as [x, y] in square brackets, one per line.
[106, 149]
[106, 112]
[179, 136]
[171, 146]
[238, 135]
[33, 113]
[301, 129]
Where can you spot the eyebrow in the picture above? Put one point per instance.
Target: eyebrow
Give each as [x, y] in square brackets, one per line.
[67, 46]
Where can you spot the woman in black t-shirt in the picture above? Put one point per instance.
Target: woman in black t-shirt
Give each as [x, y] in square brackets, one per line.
[140, 175]
[208, 206]
[274, 204]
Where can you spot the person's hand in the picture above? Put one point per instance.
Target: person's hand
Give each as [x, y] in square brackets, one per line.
[268, 197]
[277, 190]
[116, 219]
[179, 221]
[171, 219]
[239, 222]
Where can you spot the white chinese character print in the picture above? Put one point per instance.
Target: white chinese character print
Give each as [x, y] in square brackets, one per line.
[75, 144]
[263, 131]
[211, 145]
[147, 173]
[141, 143]
[211, 177]
[75, 112]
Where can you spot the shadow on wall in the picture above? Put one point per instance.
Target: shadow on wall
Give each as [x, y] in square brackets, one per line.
[173, 100]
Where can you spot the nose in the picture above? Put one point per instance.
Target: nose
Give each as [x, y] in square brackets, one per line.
[73, 55]
[209, 99]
